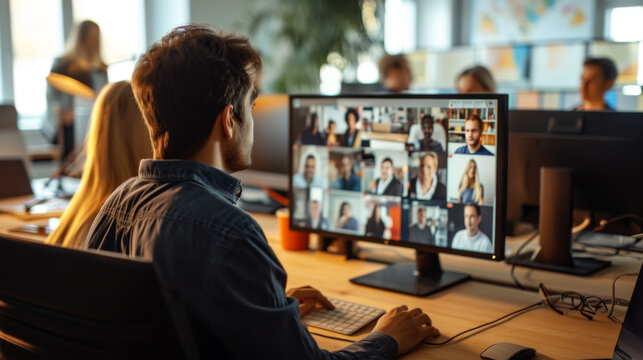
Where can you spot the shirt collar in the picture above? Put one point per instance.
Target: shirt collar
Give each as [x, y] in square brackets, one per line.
[212, 178]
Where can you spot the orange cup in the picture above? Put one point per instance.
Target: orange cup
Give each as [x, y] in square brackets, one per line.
[290, 240]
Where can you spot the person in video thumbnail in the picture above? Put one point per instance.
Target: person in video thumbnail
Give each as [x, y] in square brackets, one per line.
[353, 136]
[387, 184]
[308, 179]
[331, 138]
[315, 220]
[471, 238]
[473, 128]
[347, 179]
[311, 135]
[470, 189]
[425, 185]
[345, 220]
[375, 226]
[428, 144]
[420, 232]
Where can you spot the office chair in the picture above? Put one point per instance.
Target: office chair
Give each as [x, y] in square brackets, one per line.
[62, 303]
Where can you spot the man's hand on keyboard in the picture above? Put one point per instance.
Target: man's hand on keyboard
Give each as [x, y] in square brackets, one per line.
[309, 298]
[407, 327]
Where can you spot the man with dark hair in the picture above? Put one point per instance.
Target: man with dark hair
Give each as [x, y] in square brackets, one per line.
[347, 179]
[395, 73]
[387, 184]
[195, 89]
[597, 78]
[473, 128]
[353, 136]
[308, 179]
[315, 219]
[427, 143]
[471, 238]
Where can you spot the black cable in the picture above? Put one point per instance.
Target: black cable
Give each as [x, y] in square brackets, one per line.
[517, 312]
[513, 266]
[610, 315]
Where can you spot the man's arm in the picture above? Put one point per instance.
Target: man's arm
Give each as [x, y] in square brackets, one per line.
[246, 309]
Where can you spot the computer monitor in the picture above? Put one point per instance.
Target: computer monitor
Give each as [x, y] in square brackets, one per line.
[270, 149]
[602, 152]
[356, 173]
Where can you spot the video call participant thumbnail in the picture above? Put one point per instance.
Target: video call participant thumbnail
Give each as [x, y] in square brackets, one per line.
[375, 226]
[471, 238]
[347, 179]
[315, 219]
[311, 135]
[471, 189]
[420, 232]
[427, 143]
[345, 220]
[473, 127]
[308, 179]
[387, 184]
[353, 136]
[425, 185]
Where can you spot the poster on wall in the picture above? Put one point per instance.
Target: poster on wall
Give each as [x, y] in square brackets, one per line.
[557, 66]
[625, 55]
[510, 21]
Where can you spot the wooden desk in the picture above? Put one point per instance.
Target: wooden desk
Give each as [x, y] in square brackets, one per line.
[454, 310]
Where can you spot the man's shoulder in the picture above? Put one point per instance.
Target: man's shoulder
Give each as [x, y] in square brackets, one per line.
[461, 150]
[483, 151]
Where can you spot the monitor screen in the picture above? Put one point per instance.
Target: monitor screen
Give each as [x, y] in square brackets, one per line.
[421, 171]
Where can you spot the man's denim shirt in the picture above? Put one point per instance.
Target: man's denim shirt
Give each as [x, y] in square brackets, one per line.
[183, 216]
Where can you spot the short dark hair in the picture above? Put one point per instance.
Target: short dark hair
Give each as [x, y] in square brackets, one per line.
[475, 206]
[186, 79]
[607, 66]
[310, 157]
[427, 118]
[476, 117]
[351, 111]
[387, 159]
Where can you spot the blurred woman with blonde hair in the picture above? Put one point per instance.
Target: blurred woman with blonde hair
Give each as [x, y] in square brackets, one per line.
[83, 62]
[116, 142]
[470, 189]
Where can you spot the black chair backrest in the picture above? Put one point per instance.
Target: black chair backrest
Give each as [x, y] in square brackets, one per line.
[63, 303]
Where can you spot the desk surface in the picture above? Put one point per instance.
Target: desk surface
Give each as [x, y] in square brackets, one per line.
[459, 308]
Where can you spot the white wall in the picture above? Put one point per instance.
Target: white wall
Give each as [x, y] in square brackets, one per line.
[161, 16]
[6, 54]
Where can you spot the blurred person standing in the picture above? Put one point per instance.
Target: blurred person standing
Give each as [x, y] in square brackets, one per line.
[83, 62]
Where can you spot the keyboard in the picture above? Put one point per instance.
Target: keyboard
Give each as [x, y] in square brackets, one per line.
[346, 318]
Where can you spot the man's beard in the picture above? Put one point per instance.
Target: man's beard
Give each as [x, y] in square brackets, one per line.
[236, 155]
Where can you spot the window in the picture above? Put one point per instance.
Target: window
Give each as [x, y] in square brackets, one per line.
[37, 37]
[624, 23]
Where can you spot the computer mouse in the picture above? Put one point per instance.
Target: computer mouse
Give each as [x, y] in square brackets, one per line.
[507, 351]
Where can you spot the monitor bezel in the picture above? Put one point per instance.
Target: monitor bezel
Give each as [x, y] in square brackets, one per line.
[501, 173]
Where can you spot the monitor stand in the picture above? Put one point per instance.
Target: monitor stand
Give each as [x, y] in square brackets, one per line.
[555, 253]
[424, 278]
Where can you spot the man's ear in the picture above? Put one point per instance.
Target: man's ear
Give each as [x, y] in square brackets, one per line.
[228, 123]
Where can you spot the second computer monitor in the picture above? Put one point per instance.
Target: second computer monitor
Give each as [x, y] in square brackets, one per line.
[420, 171]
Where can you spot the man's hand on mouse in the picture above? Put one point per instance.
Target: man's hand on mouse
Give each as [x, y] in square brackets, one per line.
[309, 298]
[407, 327]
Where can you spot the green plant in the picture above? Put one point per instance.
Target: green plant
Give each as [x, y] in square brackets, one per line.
[314, 29]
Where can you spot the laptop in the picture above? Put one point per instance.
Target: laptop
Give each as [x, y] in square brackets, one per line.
[16, 191]
[630, 341]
